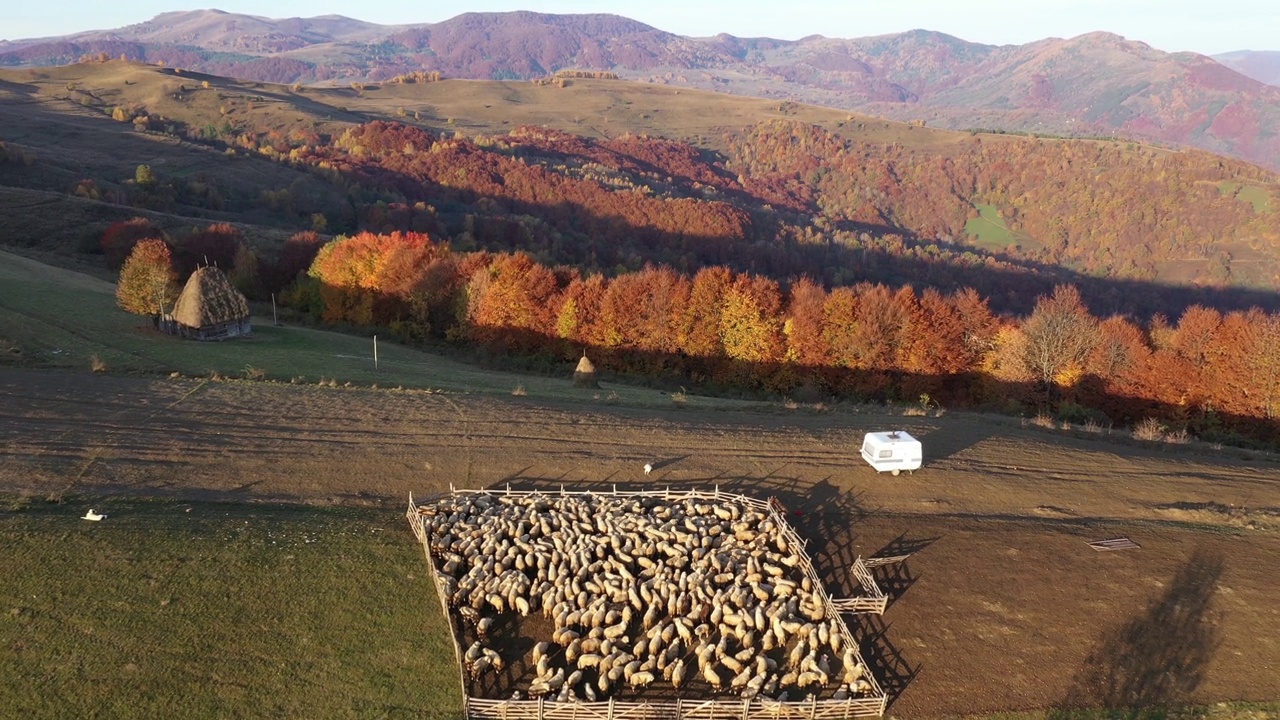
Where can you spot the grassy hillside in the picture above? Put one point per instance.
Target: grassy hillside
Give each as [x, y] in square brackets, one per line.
[55, 317]
[991, 230]
[589, 107]
[217, 610]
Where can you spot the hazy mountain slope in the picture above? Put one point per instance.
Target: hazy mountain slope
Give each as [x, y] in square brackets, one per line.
[1261, 65]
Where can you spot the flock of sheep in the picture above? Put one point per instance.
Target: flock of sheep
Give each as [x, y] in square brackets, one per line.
[640, 589]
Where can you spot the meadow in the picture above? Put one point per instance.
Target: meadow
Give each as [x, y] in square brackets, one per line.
[58, 318]
[204, 609]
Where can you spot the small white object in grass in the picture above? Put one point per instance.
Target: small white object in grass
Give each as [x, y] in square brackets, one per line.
[648, 468]
[91, 515]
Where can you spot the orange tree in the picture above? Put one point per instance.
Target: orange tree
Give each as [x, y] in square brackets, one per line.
[148, 284]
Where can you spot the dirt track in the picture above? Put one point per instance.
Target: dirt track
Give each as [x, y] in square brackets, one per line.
[998, 610]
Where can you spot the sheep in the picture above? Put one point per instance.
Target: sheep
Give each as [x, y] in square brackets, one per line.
[666, 580]
[711, 676]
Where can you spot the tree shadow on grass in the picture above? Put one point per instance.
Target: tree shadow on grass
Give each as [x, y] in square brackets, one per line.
[1150, 665]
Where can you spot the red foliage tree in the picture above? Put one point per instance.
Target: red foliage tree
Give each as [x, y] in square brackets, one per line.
[294, 258]
[214, 245]
[510, 303]
[120, 237]
[803, 326]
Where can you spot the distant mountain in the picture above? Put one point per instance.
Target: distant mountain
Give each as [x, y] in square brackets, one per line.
[1261, 65]
[1092, 85]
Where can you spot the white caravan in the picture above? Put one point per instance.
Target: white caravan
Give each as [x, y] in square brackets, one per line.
[894, 451]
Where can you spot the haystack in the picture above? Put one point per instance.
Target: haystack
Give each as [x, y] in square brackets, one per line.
[209, 308]
[585, 374]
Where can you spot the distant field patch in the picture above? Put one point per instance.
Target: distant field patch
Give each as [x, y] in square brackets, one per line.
[1256, 196]
[168, 609]
[992, 232]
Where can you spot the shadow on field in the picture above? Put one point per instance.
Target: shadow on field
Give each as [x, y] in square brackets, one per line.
[825, 517]
[1151, 664]
[895, 578]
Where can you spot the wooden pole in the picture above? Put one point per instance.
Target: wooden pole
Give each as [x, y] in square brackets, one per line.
[275, 317]
[375, 352]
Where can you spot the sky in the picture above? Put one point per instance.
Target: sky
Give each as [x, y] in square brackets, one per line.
[1171, 25]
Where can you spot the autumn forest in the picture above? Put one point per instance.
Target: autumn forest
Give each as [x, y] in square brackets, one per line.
[800, 264]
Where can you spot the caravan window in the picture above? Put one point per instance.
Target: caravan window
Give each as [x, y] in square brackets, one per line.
[886, 453]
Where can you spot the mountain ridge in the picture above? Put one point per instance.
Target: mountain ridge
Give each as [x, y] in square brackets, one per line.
[1096, 84]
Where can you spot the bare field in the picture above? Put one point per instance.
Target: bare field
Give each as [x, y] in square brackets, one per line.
[1003, 607]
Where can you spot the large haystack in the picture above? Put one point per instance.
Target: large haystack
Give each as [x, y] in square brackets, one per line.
[585, 374]
[209, 308]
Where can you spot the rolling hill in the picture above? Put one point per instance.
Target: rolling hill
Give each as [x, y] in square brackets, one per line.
[1092, 85]
[785, 189]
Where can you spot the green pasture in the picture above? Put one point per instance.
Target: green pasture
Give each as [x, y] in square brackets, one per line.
[207, 610]
[992, 232]
[53, 317]
[1256, 196]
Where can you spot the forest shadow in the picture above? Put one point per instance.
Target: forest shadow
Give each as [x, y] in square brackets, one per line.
[1151, 664]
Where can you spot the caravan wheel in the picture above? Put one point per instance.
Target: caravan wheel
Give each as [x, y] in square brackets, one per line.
[894, 472]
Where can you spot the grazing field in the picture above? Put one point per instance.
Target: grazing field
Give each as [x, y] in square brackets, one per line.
[992, 231]
[320, 607]
[1001, 585]
[1258, 197]
[177, 609]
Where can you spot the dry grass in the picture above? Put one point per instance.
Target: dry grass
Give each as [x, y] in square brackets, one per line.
[97, 364]
[1149, 429]
[519, 391]
[254, 373]
[1044, 420]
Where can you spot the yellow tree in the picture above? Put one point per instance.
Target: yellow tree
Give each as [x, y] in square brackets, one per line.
[148, 284]
[1265, 362]
[1060, 335]
[750, 322]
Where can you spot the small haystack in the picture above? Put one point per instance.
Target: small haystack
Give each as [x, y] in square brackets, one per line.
[209, 308]
[585, 374]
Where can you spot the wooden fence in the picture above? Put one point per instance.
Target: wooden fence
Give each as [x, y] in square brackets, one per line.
[759, 708]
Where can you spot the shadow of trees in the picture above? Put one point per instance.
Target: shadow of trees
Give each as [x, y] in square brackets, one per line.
[1152, 663]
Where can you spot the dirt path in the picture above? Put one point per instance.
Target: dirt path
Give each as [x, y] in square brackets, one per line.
[1003, 607]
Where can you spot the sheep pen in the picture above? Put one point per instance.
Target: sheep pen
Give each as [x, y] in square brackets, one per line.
[638, 604]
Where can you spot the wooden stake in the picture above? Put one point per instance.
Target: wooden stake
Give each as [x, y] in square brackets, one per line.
[275, 317]
[375, 352]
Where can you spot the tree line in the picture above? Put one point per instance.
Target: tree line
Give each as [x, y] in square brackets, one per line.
[869, 340]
